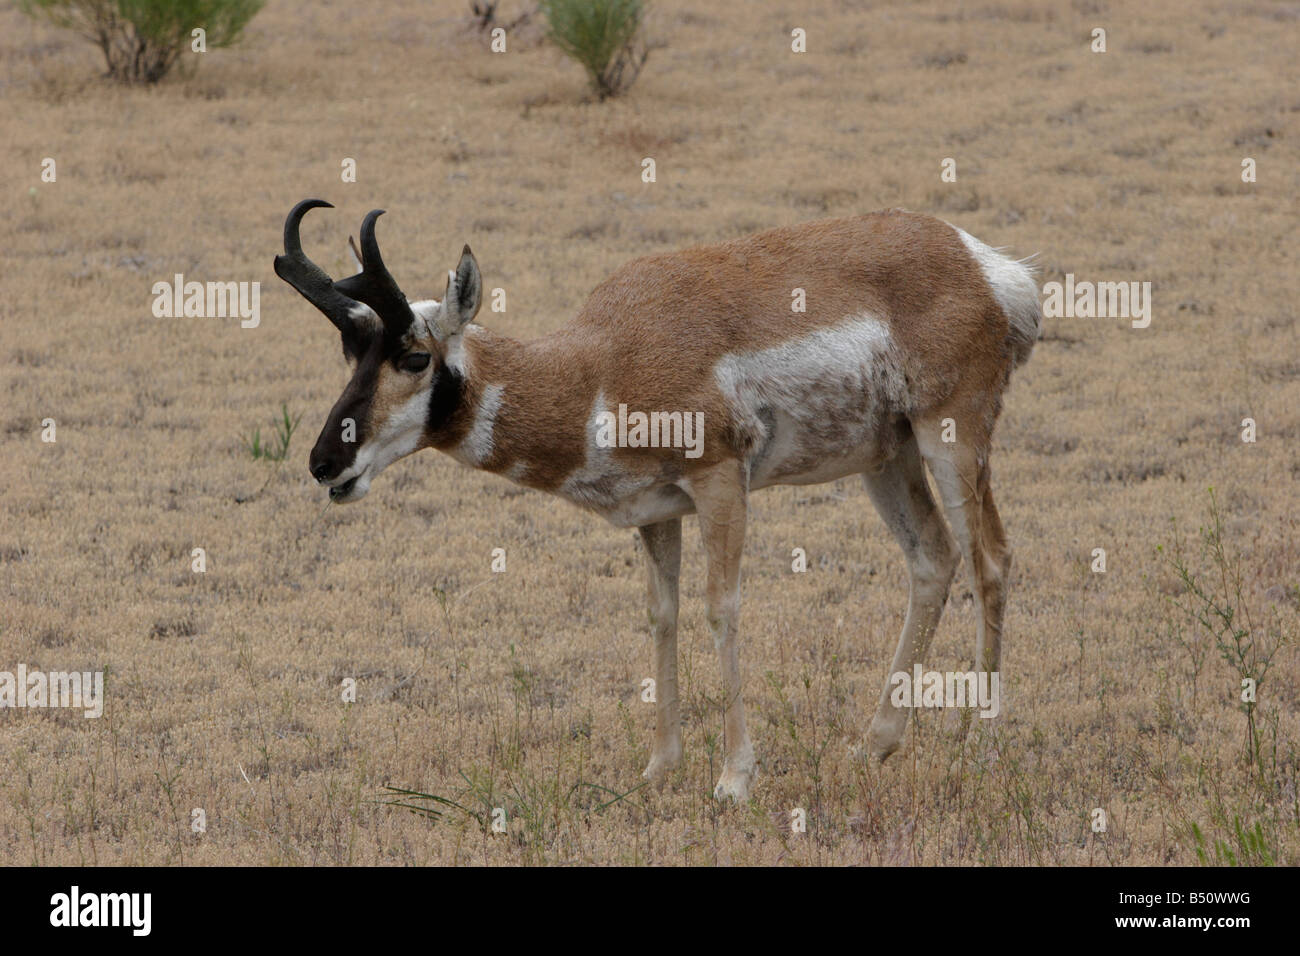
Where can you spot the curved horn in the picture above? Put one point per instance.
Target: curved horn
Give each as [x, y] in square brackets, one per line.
[374, 284]
[369, 244]
[311, 281]
[292, 241]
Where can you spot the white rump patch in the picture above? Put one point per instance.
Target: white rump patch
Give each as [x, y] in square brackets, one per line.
[1016, 289]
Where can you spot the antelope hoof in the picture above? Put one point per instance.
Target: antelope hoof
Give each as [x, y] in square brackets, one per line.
[883, 741]
[661, 764]
[733, 786]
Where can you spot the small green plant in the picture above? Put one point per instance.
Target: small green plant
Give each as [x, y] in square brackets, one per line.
[537, 802]
[603, 36]
[1249, 847]
[142, 39]
[427, 804]
[810, 747]
[276, 449]
[1217, 602]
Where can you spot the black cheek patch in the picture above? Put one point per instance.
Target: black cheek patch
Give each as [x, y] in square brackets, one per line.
[448, 392]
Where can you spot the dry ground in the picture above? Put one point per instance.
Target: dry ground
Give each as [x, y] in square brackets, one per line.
[224, 686]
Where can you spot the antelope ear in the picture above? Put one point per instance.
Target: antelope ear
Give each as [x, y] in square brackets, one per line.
[463, 298]
[354, 256]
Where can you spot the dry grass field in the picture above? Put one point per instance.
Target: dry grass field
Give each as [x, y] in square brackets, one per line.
[521, 690]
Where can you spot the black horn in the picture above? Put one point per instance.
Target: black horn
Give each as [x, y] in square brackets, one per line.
[374, 284]
[311, 281]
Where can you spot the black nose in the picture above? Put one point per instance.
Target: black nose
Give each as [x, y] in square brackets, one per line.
[324, 464]
[329, 457]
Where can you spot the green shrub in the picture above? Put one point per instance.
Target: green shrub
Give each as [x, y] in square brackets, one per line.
[142, 39]
[603, 36]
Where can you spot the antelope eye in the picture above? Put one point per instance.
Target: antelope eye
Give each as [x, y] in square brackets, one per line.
[414, 362]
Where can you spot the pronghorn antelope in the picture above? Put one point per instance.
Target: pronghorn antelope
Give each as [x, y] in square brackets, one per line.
[909, 322]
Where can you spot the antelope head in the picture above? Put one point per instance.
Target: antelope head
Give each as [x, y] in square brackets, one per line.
[406, 377]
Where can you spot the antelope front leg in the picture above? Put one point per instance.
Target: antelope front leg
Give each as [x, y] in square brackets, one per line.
[663, 548]
[720, 499]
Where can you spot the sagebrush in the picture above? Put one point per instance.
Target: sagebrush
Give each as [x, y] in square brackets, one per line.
[141, 40]
[604, 36]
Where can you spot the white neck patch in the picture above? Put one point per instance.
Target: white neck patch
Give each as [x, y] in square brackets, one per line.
[476, 447]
